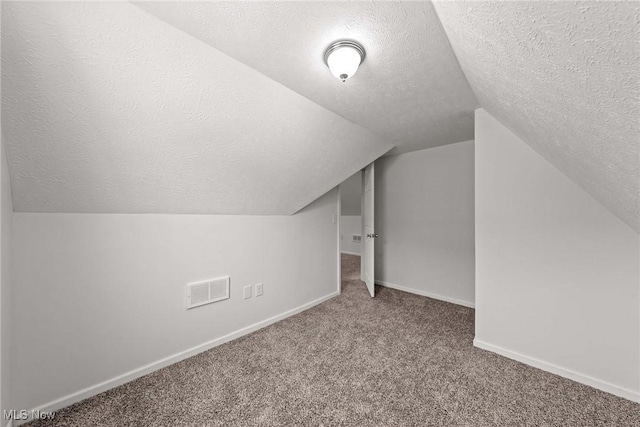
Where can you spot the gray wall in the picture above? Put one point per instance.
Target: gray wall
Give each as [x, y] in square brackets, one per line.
[97, 296]
[6, 211]
[350, 195]
[350, 225]
[424, 216]
[557, 274]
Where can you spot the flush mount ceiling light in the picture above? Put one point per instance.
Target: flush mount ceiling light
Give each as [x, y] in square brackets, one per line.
[343, 58]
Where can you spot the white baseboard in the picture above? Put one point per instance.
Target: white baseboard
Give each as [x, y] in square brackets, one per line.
[426, 294]
[350, 253]
[159, 364]
[558, 370]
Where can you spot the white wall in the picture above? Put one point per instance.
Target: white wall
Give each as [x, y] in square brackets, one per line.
[424, 216]
[350, 225]
[557, 274]
[6, 212]
[98, 295]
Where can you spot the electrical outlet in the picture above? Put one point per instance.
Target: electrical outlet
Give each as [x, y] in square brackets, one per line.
[259, 289]
[246, 292]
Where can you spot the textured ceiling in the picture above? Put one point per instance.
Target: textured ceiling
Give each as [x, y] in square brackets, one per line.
[227, 107]
[106, 108]
[410, 89]
[564, 77]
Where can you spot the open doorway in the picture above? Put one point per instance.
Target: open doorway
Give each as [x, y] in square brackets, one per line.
[350, 215]
[351, 230]
[356, 229]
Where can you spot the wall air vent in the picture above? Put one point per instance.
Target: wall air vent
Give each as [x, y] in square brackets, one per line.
[202, 293]
[357, 238]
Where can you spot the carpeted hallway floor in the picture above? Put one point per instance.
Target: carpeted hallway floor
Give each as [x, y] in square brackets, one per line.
[395, 360]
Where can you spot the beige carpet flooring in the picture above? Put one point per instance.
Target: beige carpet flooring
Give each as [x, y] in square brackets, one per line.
[396, 360]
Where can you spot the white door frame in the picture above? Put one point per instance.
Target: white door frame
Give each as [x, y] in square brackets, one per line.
[339, 215]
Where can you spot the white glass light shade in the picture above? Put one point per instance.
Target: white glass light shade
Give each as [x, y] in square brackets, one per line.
[344, 62]
[343, 58]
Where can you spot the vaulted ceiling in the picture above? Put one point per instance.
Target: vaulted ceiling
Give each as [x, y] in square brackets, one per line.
[410, 89]
[106, 108]
[227, 107]
[564, 76]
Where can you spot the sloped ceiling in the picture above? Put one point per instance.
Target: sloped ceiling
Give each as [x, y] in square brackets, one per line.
[227, 107]
[564, 77]
[106, 108]
[409, 90]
